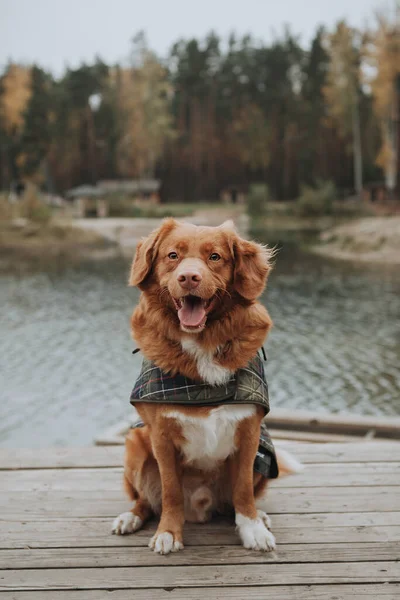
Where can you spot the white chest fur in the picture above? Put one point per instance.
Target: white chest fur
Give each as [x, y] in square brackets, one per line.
[208, 369]
[211, 439]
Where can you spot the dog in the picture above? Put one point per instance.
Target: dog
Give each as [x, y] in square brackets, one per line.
[198, 317]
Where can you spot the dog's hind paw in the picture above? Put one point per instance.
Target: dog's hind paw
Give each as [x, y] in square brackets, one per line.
[164, 543]
[254, 533]
[126, 522]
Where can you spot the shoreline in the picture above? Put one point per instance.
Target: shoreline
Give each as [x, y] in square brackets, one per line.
[27, 246]
[366, 240]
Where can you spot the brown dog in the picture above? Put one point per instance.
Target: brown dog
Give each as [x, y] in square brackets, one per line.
[198, 315]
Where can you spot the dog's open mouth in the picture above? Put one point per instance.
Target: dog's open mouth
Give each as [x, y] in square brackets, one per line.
[192, 311]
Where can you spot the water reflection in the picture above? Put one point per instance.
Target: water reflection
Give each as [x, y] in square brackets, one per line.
[66, 346]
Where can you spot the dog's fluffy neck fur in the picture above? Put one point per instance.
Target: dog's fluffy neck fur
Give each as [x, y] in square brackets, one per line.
[158, 335]
[208, 369]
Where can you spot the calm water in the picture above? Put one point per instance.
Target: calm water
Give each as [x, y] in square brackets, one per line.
[67, 368]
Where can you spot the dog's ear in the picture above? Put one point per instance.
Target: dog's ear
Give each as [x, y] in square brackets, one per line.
[228, 226]
[146, 252]
[252, 264]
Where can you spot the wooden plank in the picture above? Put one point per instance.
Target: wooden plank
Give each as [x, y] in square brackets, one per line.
[342, 423]
[116, 434]
[58, 558]
[349, 474]
[288, 529]
[61, 458]
[299, 592]
[327, 475]
[290, 424]
[64, 458]
[374, 451]
[76, 503]
[195, 576]
[315, 437]
[312, 436]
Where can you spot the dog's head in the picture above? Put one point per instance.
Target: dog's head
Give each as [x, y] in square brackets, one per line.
[193, 270]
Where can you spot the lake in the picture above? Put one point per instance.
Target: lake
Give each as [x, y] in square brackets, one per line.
[66, 354]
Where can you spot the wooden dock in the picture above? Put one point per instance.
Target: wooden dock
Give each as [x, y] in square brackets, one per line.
[337, 525]
[299, 425]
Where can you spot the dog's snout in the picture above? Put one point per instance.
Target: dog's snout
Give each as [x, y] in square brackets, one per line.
[189, 279]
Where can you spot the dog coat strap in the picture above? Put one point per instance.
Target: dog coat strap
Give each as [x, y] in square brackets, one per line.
[246, 386]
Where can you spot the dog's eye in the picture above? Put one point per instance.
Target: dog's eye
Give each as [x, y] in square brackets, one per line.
[173, 255]
[215, 256]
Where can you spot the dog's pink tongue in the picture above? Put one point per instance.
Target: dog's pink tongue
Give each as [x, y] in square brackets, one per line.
[192, 312]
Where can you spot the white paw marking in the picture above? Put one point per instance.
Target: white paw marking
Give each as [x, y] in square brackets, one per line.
[254, 534]
[164, 543]
[265, 518]
[126, 522]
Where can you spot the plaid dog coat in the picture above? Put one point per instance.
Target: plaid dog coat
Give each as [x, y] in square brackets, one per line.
[247, 386]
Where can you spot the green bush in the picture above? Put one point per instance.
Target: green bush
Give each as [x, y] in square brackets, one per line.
[122, 207]
[125, 207]
[257, 200]
[31, 207]
[317, 201]
[163, 211]
[5, 208]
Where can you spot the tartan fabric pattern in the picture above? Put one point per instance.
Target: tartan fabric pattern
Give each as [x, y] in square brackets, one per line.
[265, 461]
[247, 386]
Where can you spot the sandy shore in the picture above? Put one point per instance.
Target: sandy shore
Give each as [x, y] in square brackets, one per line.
[26, 246]
[372, 239]
[126, 232]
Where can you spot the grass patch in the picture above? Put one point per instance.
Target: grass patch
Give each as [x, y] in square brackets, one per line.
[124, 207]
[257, 201]
[317, 201]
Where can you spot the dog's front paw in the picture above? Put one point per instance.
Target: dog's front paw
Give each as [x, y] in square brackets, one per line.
[165, 542]
[254, 533]
[265, 518]
[126, 522]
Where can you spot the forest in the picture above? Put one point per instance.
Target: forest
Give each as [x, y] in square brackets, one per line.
[212, 115]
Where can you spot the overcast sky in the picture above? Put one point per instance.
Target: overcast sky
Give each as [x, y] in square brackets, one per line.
[56, 33]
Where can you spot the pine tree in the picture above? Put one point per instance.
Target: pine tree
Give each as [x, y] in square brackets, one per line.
[37, 134]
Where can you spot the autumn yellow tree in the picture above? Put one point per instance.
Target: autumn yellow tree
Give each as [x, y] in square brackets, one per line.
[15, 93]
[142, 95]
[385, 82]
[342, 91]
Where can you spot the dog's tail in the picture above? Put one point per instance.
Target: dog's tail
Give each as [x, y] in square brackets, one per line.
[287, 463]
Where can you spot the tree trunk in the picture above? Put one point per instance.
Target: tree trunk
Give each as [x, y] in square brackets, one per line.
[391, 136]
[91, 144]
[357, 151]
